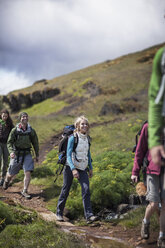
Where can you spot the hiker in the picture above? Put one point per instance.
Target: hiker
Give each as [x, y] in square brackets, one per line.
[19, 146]
[156, 136]
[77, 166]
[6, 124]
[143, 159]
[156, 107]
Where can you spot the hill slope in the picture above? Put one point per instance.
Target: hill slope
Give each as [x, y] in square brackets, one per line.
[113, 95]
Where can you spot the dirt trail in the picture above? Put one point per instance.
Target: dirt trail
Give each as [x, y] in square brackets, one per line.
[129, 237]
[12, 196]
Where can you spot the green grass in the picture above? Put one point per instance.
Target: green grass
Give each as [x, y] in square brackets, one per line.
[38, 234]
[46, 127]
[22, 228]
[134, 218]
[45, 108]
[15, 215]
[119, 135]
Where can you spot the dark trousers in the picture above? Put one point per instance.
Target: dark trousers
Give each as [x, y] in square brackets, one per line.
[67, 182]
[4, 154]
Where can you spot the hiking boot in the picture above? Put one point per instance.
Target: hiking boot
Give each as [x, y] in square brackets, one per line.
[25, 194]
[59, 217]
[161, 242]
[92, 218]
[1, 181]
[5, 185]
[145, 230]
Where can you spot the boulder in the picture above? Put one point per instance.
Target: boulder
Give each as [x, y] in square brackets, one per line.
[92, 88]
[16, 102]
[111, 108]
[24, 100]
[36, 97]
[49, 92]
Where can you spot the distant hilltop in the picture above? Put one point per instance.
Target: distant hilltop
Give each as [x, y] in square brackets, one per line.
[109, 78]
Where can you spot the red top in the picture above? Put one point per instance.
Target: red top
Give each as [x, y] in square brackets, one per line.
[141, 152]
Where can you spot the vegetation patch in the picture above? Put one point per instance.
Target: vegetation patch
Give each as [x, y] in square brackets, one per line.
[38, 234]
[112, 171]
[134, 218]
[45, 108]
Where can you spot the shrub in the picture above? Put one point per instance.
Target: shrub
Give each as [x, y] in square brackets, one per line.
[110, 184]
[6, 216]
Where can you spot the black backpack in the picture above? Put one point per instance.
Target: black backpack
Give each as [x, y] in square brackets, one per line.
[62, 149]
[137, 137]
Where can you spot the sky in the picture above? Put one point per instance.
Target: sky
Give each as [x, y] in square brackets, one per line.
[43, 39]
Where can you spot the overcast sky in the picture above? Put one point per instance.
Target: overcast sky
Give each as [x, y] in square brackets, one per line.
[48, 38]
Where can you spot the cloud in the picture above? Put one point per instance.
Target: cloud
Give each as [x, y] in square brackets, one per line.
[12, 81]
[48, 38]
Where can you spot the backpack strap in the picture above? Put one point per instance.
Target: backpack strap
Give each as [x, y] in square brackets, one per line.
[75, 135]
[18, 133]
[61, 144]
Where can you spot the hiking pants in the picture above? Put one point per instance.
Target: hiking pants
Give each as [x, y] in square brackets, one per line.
[67, 182]
[4, 154]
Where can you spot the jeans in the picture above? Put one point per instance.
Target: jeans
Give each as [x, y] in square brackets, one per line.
[4, 154]
[67, 182]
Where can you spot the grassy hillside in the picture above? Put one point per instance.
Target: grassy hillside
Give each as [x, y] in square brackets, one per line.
[113, 95]
[122, 82]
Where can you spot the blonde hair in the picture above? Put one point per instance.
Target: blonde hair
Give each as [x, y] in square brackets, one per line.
[78, 120]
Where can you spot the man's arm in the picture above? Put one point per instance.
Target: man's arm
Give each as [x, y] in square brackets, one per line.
[156, 120]
[35, 143]
[155, 117]
[10, 143]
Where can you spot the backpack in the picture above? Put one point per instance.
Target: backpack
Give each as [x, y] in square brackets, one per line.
[137, 136]
[145, 160]
[162, 86]
[23, 150]
[19, 133]
[62, 149]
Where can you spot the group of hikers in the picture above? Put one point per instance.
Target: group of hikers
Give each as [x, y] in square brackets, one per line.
[18, 141]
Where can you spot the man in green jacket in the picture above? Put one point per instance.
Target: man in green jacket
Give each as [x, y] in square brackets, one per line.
[156, 136]
[20, 142]
[156, 117]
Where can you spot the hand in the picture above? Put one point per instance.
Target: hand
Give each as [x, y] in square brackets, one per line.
[157, 152]
[134, 178]
[75, 173]
[90, 173]
[12, 155]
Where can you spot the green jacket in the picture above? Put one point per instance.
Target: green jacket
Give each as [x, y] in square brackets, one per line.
[19, 139]
[155, 118]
